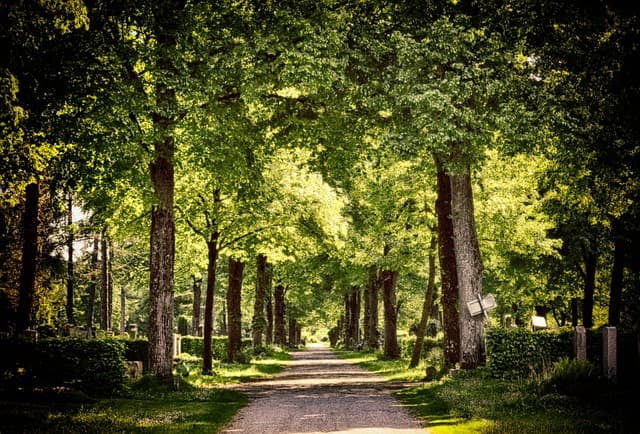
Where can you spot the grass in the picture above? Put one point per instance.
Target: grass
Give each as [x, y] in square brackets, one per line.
[199, 405]
[472, 402]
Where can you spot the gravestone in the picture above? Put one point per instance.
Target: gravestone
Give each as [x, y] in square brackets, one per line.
[609, 353]
[580, 343]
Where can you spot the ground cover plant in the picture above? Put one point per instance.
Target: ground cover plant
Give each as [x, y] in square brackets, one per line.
[475, 402]
[193, 403]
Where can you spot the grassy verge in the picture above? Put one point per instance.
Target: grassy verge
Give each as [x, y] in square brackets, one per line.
[198, 405]
[471, 402]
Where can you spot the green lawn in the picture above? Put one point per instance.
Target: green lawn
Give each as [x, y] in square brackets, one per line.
[199, 405]
[471, 402]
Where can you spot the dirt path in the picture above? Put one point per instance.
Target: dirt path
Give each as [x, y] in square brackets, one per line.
[319, 393]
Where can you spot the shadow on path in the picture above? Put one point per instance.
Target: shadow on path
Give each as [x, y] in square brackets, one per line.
[320, 393]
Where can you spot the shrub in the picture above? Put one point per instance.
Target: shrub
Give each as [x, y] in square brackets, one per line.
[194, 345]
[137, 349]
[572, 377]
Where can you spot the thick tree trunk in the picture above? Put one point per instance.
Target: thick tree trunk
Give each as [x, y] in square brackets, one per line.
[427, 305]
[234, 309]
[160, 331]
[469, 268]
[448, 272]
[197, 302]
[110, 285]
[346, 322]
[617, 279]
[259, 322]
[91, 290]
[70, 272]
[279, 320]
[590, 262]
[366, 315]
[389, 280]
[104, 283]
[24, 319]
[373, 285]
[210, 306]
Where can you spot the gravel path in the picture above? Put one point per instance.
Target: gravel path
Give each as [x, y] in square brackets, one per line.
[319, 393]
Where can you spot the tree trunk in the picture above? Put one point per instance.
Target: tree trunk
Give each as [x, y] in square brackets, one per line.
[293, 333]
[389, 280]
[427, 305]
[29, 258]
[469, 267]
[354, 305]
[280, 333]
[210, 306]
[197, 301]
[70, 272]
[110, 285]
[104, 282]
[91, 290]
[123, 310]
[373, 285]
[617, 279]
[346, 323]
[269, 308]
[234, 309]
[590, 262]
[259, 323]
[448, 272]
[366, 315]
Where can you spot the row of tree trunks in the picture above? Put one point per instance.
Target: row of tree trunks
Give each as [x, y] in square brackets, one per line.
[70, 264]
[24, 319]
[105, 283]
[295, 333]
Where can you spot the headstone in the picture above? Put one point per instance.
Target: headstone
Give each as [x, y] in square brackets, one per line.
[609, 352]
[134, 369]
[177, 345]
[538, 322]
[133, 329]
[430, 373]
[580, 343]
[480, 306]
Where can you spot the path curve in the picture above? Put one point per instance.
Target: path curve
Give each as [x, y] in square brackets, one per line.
[320, 393]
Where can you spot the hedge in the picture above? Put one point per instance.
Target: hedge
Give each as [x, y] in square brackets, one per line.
[194, 345]
[94, 366]
[513, 353]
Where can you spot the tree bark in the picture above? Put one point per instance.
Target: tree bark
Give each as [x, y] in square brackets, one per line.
[70, 271]
[469, 268]
[210, 306]
[279, 320]
[234, 309]
[354, 306]
[293, 332]
[24, 319]
[123, 310]
[617, 279]
[104, 283]
[91, 290]
[427, 306]
[590, 262]
[259, 322]
[269, 308]
[389, 280]
[448, 272]
[373, 285]
[197, 301]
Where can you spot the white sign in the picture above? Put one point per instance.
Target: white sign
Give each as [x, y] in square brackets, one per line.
[482, 305]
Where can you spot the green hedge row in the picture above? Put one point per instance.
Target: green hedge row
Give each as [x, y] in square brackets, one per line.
[407, 344]
[194, 345]
[94, 366]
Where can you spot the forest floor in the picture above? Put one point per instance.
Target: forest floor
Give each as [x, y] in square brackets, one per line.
[320, 393]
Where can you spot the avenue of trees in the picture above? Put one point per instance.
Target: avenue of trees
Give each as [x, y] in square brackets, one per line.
[248, 168]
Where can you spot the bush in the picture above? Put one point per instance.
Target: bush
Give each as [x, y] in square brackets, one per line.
[137, 349]
[573, 377]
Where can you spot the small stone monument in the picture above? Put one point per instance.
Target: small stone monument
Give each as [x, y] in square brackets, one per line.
[580, 343]
[609, 353]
